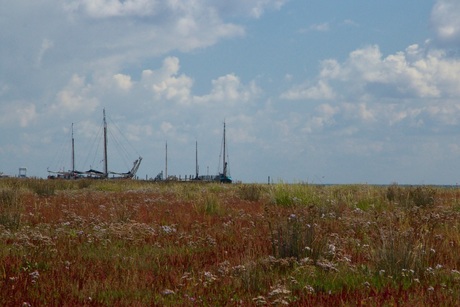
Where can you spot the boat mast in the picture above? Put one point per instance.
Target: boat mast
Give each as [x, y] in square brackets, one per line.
[73, 152]
[196, 159]
[224, 163]
[106, 169]
[166, 162]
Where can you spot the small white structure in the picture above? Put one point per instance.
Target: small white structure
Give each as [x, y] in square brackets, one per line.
[22, 172]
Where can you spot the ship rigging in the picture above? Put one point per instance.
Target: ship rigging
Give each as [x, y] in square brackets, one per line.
[93, 173]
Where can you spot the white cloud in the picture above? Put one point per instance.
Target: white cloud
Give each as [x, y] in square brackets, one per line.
[46, 45]
[167, 127]
[228, 89]
[75, 97]
[18, 114]
[350, 22]
[252, 8]
[111, 8]
[138, 132]
[116, 8]
[321, 90]
[320, 27]
[123, 81]
[444, 17]
[414, 73]
[168, 84]
[325, 117]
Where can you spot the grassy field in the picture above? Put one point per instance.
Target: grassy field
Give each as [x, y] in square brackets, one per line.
[137, 243]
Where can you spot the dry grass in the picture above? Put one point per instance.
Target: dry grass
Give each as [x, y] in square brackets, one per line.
[139, 243]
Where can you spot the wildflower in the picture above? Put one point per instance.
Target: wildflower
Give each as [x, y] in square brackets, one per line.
[168, 229]
[430, 288]
[327, 265]
[331, 249]
[209, 278]
[309, 289]
[209, 275]
[279, 291]
[34, 275]
[237, 270]
[192, 299]
[366, 284]
[294, 281]
[168, 292]
[260, 300]
[280, 302]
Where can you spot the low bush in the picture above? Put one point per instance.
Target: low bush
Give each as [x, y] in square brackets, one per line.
[11, 208]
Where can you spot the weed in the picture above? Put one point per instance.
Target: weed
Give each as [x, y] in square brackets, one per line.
[43, 187]
[11, 208]
[296, 236]
[210, 205]
[250, 192]
[421, 196]
[293, 195]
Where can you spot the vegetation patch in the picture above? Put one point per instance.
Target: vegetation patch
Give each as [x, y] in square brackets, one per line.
[124, 243]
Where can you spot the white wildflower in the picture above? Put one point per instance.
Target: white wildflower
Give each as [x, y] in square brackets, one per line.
[168, 292]
[279, 291]
[168, 229]
[309, 289]
[260, 300]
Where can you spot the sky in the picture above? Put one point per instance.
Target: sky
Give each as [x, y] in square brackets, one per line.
[317, 91]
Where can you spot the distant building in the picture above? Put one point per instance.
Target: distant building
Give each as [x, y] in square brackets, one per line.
[22, 172]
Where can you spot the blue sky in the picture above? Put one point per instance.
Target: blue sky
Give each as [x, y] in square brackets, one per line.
[312, 91]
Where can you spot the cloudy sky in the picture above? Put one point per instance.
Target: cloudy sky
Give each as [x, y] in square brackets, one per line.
[320, 91]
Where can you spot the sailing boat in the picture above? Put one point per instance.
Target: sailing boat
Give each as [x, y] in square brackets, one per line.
[92, 173]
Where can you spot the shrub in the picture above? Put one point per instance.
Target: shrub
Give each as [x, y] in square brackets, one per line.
[403, 254]
[422, 196]
[296, 237]
[84, 183]
[250, 192]
[419, 196]
[395, 193]
[43, 187]
[289, 195]
[210, 204]
[10, 208]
